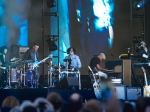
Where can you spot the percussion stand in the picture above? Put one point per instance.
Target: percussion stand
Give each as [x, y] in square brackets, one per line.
[36, 77]
[23, 74]
[50, 76]
[59, 71]
[9, 84]
[79, 80]
[67, 67]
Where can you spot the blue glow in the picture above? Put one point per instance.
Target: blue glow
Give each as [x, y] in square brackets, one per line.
[23, 37]
[64, 35]
[1, 11]
[3, 35]
[102, 10]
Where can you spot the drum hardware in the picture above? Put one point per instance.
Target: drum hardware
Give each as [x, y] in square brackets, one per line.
[59, 71]
[50, 70]
[9, 84]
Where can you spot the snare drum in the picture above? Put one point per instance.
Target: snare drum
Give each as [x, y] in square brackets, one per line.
[13, 75]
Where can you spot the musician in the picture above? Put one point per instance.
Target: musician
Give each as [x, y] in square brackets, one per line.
[32, 54]
[72, 60]
[144, 53]
[3, 73]
[95, 65]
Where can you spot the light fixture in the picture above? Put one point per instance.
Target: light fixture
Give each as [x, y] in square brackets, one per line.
[51, 3]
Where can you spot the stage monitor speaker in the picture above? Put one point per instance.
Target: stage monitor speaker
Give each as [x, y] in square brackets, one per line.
[68, 83]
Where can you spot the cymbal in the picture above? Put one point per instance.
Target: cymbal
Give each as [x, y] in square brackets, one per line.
[67, 60]
[27, 61]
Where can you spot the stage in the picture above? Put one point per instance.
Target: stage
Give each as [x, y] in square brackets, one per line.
[32, 94]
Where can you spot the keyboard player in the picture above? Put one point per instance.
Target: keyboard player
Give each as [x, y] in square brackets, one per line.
[144, 53]
[95, 65]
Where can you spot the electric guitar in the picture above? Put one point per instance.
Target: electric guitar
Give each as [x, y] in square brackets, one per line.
[96, 86]
[146, 87]
[2, 67]
[35, 64]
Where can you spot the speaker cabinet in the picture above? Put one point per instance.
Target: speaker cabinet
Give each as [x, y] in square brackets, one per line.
[68, 83]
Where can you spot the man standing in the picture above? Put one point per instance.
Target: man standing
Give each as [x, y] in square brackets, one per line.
[95, 65]
[4, 63]
[32, 54]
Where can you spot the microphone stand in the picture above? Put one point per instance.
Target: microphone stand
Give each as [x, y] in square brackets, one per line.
[79, 80]
[9, 84]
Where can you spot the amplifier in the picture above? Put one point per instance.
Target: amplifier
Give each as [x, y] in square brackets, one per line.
[133, 93]
[18, 49]
[120, 92]
[116, 81]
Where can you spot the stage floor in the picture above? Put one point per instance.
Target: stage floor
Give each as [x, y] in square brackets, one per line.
[32, 94]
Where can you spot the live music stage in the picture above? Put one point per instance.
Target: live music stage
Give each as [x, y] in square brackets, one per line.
[112, 27]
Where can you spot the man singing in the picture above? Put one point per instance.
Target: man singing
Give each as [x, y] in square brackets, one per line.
[95, 65]
[72, 60]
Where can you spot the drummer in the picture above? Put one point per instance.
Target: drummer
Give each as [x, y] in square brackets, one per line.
[72, 61]
[3, 73]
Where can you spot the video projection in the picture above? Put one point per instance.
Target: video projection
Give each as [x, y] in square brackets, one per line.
[14, 22]
[91, 25]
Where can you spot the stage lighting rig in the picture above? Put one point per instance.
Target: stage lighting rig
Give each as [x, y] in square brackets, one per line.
[135, 39]
[51, 3]
[51, 42]
[137, 4]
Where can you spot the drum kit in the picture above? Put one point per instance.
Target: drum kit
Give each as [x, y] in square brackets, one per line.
[57, 73]
[20, 75]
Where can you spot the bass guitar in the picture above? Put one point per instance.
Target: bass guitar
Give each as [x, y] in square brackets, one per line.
[96, 86]
[2, 67]
[146, 88]
[35, 64]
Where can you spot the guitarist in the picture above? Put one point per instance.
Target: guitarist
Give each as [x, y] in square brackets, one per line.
[144, 53]
[95, 65]
[32, 54]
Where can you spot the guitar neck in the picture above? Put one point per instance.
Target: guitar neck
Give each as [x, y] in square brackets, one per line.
[145, 76]
[42, 60]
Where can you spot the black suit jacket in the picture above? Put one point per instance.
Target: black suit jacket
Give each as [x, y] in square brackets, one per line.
[4, 63]
[30, 55]
[142, 51]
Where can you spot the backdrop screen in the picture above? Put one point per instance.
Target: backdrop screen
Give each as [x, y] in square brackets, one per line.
[91, 23]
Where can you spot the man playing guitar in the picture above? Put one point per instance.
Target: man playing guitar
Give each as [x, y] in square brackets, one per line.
[32, 54]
